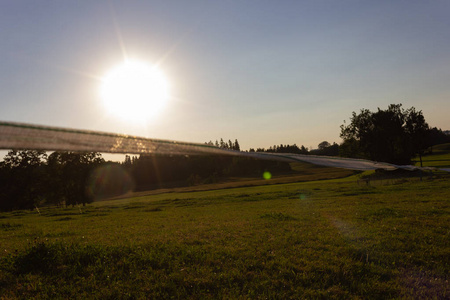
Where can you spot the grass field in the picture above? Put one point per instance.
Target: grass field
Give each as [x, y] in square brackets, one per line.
[300, 172]
[322, 239]
[439, 158]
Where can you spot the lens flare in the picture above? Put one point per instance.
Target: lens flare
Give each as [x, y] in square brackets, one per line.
[109, 181]
[267, 175]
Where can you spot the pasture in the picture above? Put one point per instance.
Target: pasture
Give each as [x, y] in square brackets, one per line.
[439, 158]
[322, 239]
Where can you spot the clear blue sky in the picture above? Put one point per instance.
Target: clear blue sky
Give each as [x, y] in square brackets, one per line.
[262, 72]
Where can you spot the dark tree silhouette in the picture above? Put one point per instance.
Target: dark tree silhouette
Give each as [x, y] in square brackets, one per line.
[393, 135]
[435, 136]
[69, 173]
[236, 145]
[325, 148]
[22, 178]
[417, 130]
[323, 145]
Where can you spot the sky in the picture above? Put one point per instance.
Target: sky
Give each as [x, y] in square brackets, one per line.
[263, 72]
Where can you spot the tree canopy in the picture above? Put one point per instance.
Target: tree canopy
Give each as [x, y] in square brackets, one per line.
[394, 135]
[29, 178]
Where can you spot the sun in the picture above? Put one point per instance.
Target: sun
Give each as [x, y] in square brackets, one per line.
[135, 91]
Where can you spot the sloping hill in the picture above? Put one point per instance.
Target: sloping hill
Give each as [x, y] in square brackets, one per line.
[440, 157]
[301, 172]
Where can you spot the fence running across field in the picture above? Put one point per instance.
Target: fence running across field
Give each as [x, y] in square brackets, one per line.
[19, 136]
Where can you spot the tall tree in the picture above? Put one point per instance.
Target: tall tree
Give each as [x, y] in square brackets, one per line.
[236, 145]
[127, 162]
[303, 150]
[393, 135]
[22, 179]
[418, 132]
[70, 172]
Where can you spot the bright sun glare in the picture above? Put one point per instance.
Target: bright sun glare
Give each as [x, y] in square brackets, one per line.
[135, 91]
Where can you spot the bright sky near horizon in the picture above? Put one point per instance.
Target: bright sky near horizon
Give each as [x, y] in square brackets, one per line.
[262, 72]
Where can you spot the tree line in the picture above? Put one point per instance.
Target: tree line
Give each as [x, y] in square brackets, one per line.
[324, 148]
[226, 145]
[31, 178]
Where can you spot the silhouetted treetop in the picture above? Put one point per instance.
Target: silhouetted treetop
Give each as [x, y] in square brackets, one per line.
[394, 135]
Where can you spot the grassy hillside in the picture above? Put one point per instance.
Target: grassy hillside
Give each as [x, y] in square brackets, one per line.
[327, 239]
[300, 172]
[440, 157]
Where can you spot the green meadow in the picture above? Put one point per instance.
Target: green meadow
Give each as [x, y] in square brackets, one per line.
[440, 157]
[321, 239]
